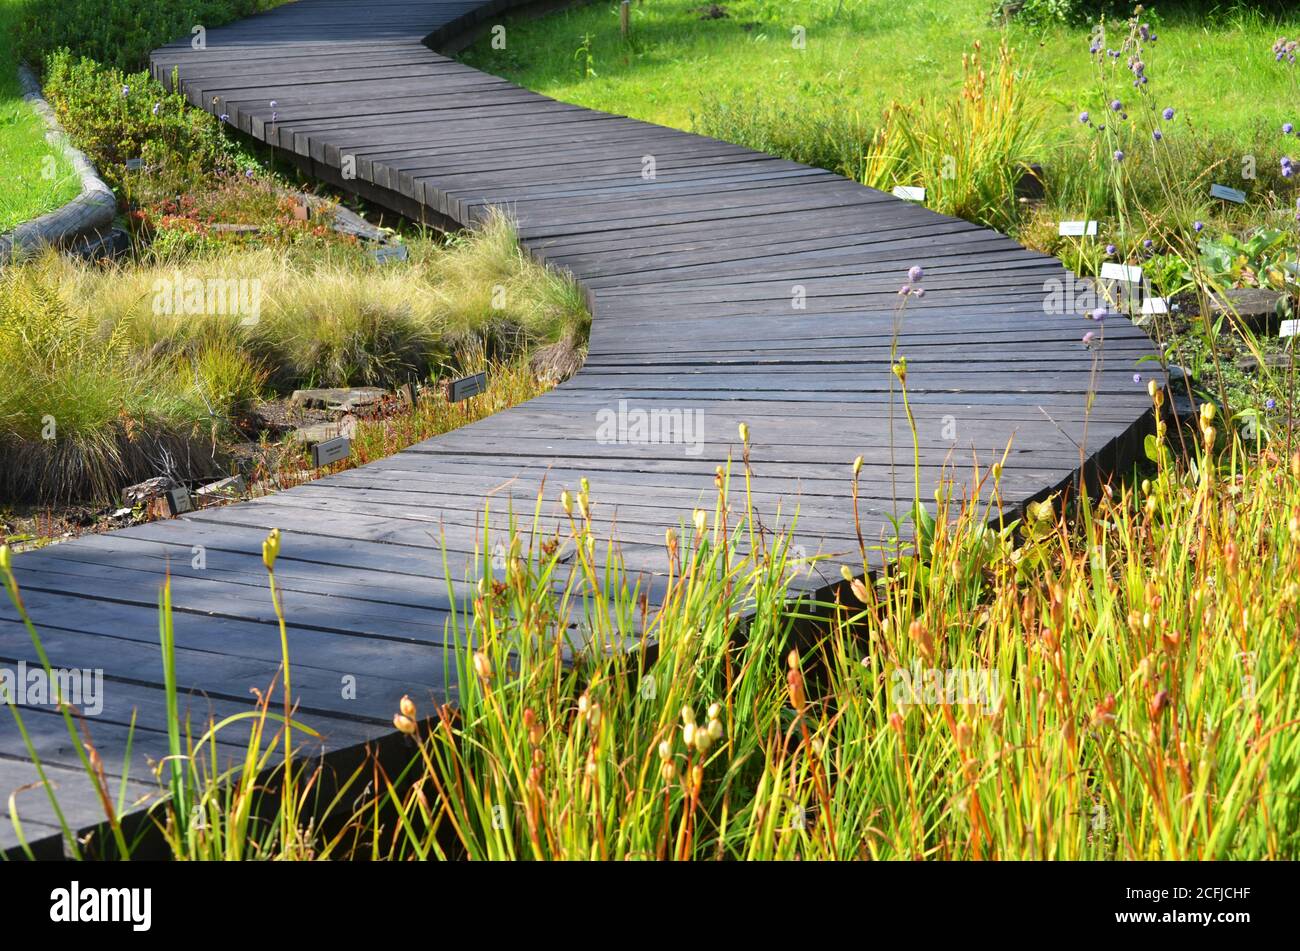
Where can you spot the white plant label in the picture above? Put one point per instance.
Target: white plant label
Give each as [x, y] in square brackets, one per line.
[1077, 229]
[1121, 272]
[909, 193]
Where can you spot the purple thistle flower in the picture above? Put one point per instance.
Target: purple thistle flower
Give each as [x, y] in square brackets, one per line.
[1287, 128]
[1084, 118]
[1168, 114]
[1098, 314]
[915, 273]
[1148, 244]
[1157, 135]
[1198, 226]
[905, 290]
[1110, 250]
[1116, 105]
[1270, 404]
[1119, 156]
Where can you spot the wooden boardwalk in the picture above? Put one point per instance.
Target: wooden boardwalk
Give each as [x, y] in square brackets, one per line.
[693, 276]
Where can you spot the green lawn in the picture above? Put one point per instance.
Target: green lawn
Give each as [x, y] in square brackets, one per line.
[36, 177]
[862, 54]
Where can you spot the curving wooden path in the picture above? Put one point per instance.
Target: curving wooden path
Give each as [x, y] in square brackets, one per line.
[692, 276]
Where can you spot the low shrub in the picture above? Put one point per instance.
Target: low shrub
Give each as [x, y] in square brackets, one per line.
[115, 116]
[122, 33]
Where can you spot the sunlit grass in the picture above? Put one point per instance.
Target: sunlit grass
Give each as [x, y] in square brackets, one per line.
[37, 177]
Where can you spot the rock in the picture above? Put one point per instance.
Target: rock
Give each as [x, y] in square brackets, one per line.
[319, 432]
[1251, 304]
[231, 488]
[338, 399]
[144, 492]
[1274, 361]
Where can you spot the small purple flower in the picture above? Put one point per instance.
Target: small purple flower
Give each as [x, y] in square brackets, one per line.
[1270, 404]
[126, 90]
[248, 173]
[1198, 226]
[1098, 314]
[1288, 167]
[1287, 128]
[1119, 156]
[905, 290]
[1084, 118]
[1088, 338]
[1157, 135]
[1148, 244]
[1168, 114]
[274, 103]
[915, 273]
[1116, 105]
[156, 107]
[918, 292]
[1137, 377]
[224, 117]
[1110, 250]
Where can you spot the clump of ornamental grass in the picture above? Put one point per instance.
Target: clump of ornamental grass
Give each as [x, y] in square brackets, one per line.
[968, 153]
[336, 317]
[81, 414]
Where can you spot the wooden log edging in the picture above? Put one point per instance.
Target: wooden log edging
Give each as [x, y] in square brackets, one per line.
[88, 217]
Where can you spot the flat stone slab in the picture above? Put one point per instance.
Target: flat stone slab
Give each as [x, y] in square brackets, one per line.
[1249, 303]
[320, 432]
[341, 399]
